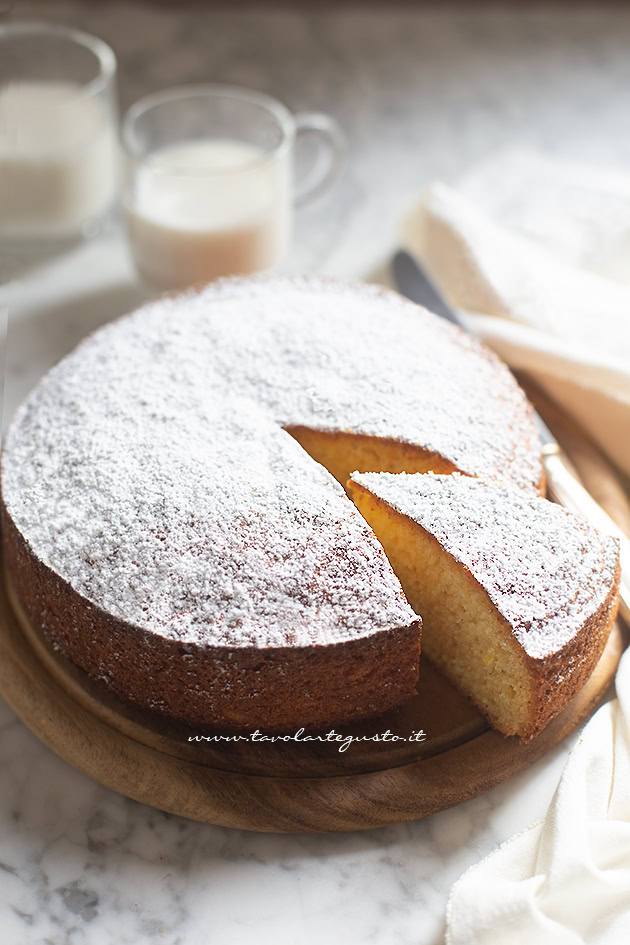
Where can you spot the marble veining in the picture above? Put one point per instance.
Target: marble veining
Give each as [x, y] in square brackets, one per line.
[421, 93]
[82, 865]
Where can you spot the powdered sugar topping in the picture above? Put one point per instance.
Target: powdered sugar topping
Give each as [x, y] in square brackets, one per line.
[150, 470]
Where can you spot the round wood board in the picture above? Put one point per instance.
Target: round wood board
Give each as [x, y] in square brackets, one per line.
[294, 787]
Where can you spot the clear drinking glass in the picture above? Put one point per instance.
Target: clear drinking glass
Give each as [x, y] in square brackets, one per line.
[59, 158]
[209, 188]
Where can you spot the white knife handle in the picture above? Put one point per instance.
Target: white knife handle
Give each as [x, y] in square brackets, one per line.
[564, 486]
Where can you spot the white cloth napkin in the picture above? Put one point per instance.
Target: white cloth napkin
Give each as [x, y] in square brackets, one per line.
[536, 255]
[565, 881]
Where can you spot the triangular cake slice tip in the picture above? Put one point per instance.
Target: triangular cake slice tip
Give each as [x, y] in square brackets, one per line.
[517, 595]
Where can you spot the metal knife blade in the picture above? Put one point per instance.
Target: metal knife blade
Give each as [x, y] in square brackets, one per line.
[413, 282]
[563, 483]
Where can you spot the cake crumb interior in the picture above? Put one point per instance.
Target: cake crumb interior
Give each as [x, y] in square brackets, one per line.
[462, 633]
[345, 453]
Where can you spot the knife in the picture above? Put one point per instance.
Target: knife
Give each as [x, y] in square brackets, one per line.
[563, 483]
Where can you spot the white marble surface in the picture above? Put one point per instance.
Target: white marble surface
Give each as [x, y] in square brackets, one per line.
[421, 93]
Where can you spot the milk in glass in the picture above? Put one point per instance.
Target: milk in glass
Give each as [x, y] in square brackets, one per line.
[58, 159]
[206, 208]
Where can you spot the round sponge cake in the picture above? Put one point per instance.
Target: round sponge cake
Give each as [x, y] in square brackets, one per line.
[171, 521]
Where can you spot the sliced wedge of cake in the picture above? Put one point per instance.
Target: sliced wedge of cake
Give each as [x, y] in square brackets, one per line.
[517, 595]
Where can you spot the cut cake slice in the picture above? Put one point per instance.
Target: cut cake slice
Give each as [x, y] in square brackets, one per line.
[517, 595]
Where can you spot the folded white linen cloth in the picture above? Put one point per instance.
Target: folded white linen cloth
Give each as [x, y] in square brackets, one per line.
[536, 255]
[519, 249]
[565, 881]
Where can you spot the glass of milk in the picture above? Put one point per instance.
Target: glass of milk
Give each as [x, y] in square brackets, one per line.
[210, 188]
[59, 158]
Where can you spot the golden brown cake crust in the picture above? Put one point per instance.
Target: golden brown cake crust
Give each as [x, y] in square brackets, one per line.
[560, 677]
[276, 688]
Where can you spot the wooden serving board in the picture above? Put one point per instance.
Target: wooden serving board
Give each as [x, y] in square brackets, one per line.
[295, 787]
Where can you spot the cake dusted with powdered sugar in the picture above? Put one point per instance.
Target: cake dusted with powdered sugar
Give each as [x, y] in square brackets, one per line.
[170, 527]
